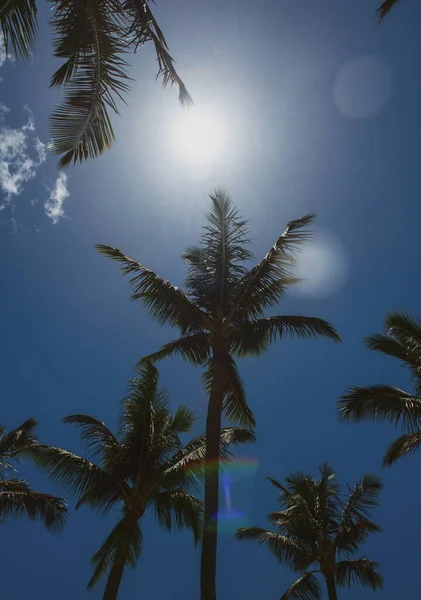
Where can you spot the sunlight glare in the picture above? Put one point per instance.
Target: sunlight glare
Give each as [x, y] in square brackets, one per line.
[198, 136]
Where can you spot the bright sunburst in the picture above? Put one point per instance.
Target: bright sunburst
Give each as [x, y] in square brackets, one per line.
[198, 136]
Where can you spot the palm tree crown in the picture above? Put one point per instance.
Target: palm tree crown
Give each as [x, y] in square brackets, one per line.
[92, 37]
[145, 466]
[319, 532]
[402, 340]
[16, 497]
[221, 317]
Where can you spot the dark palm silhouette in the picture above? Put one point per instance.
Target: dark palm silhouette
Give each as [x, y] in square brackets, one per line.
[144, 467]
[402, 340]
[318, 532]
[93, 37]
[385, 8]
[221, 317]
[16, 497]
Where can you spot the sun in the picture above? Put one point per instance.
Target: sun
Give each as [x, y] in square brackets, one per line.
[198, 136]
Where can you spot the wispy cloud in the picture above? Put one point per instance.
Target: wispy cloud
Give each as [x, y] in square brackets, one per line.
[54, 205]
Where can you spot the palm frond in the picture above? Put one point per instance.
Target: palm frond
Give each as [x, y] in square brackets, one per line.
[183, 420]
[265, 284]
[144, 28]
[361, 570]
[406, 444]
[164, 302]
[17, 500]
[194, 349]
[19, 25]
[89, 37]
[305, 588]
[126, 533]
[381, 403]
[255, 336]
[96, 435]
[16, 440]
[384, 9]
[180, 510]
[286, 550]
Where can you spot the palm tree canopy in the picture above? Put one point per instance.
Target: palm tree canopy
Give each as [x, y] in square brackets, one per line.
[401, 340]
[144, 466]
[92, 37]
[319, 530]
[225, 297]
[16, 497]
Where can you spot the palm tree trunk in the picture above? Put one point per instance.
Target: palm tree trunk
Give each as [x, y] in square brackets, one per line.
[331, 587]
[119, 563]
[213, 434]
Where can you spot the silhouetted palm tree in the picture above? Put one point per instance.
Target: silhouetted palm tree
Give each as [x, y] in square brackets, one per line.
[145, 466]
[16, 497]
[318, 532]
[221, 317]
[402, 340]
[93, 37]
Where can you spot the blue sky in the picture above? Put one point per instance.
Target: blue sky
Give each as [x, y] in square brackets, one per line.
[321, 113]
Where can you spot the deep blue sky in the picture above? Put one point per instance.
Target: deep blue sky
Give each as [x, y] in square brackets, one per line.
[70, 337]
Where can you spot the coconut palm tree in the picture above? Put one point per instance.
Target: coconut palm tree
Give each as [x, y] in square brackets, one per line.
[318, 532]
[16, 497]
[402, 340]
[92, 37]
[144, 467]
[221, 317]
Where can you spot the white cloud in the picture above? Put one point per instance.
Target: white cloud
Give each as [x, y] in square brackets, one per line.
[54, 205]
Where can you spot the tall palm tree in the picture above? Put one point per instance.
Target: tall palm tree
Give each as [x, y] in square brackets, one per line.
[402, 340]
[92, 37]
[145, 466]
[221, 317]
[16, 497]
[318, 532]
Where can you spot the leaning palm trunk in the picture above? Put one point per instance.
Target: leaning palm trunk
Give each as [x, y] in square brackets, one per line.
[119, 562]
[210, 531]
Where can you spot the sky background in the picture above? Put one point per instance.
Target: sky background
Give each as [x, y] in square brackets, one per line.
[320, 113]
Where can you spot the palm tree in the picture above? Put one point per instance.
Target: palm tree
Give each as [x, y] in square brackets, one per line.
[16, 497]
[92, 37]
[145, 466]
[319, 532]
[221, 317]
[402, 340]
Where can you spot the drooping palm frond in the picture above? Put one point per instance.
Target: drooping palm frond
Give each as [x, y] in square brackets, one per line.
[406, 444]
[385, 8]
[194, 349]
[265, 284]
[305, 588]
[89, 38]
[180, 510]
[14, 441]
[285, 549]
[126, 532]
[166, 303]
[361, 571]
[19, 25]
[17, 500]
[381, 403]
[96, 435]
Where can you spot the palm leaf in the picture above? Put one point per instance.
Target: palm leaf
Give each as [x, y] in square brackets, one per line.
[360, 570]
[285, 549]
[19, 25]
[89, 37]
[178, 509]
[406, 444]
[103, 559]
[17, 500]
[166, 303]
[384, 9]
[235, 402]
[16, 440]
[265, 284]
[96, 435]
[305, 588]
[194, 349]
[381, 403]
